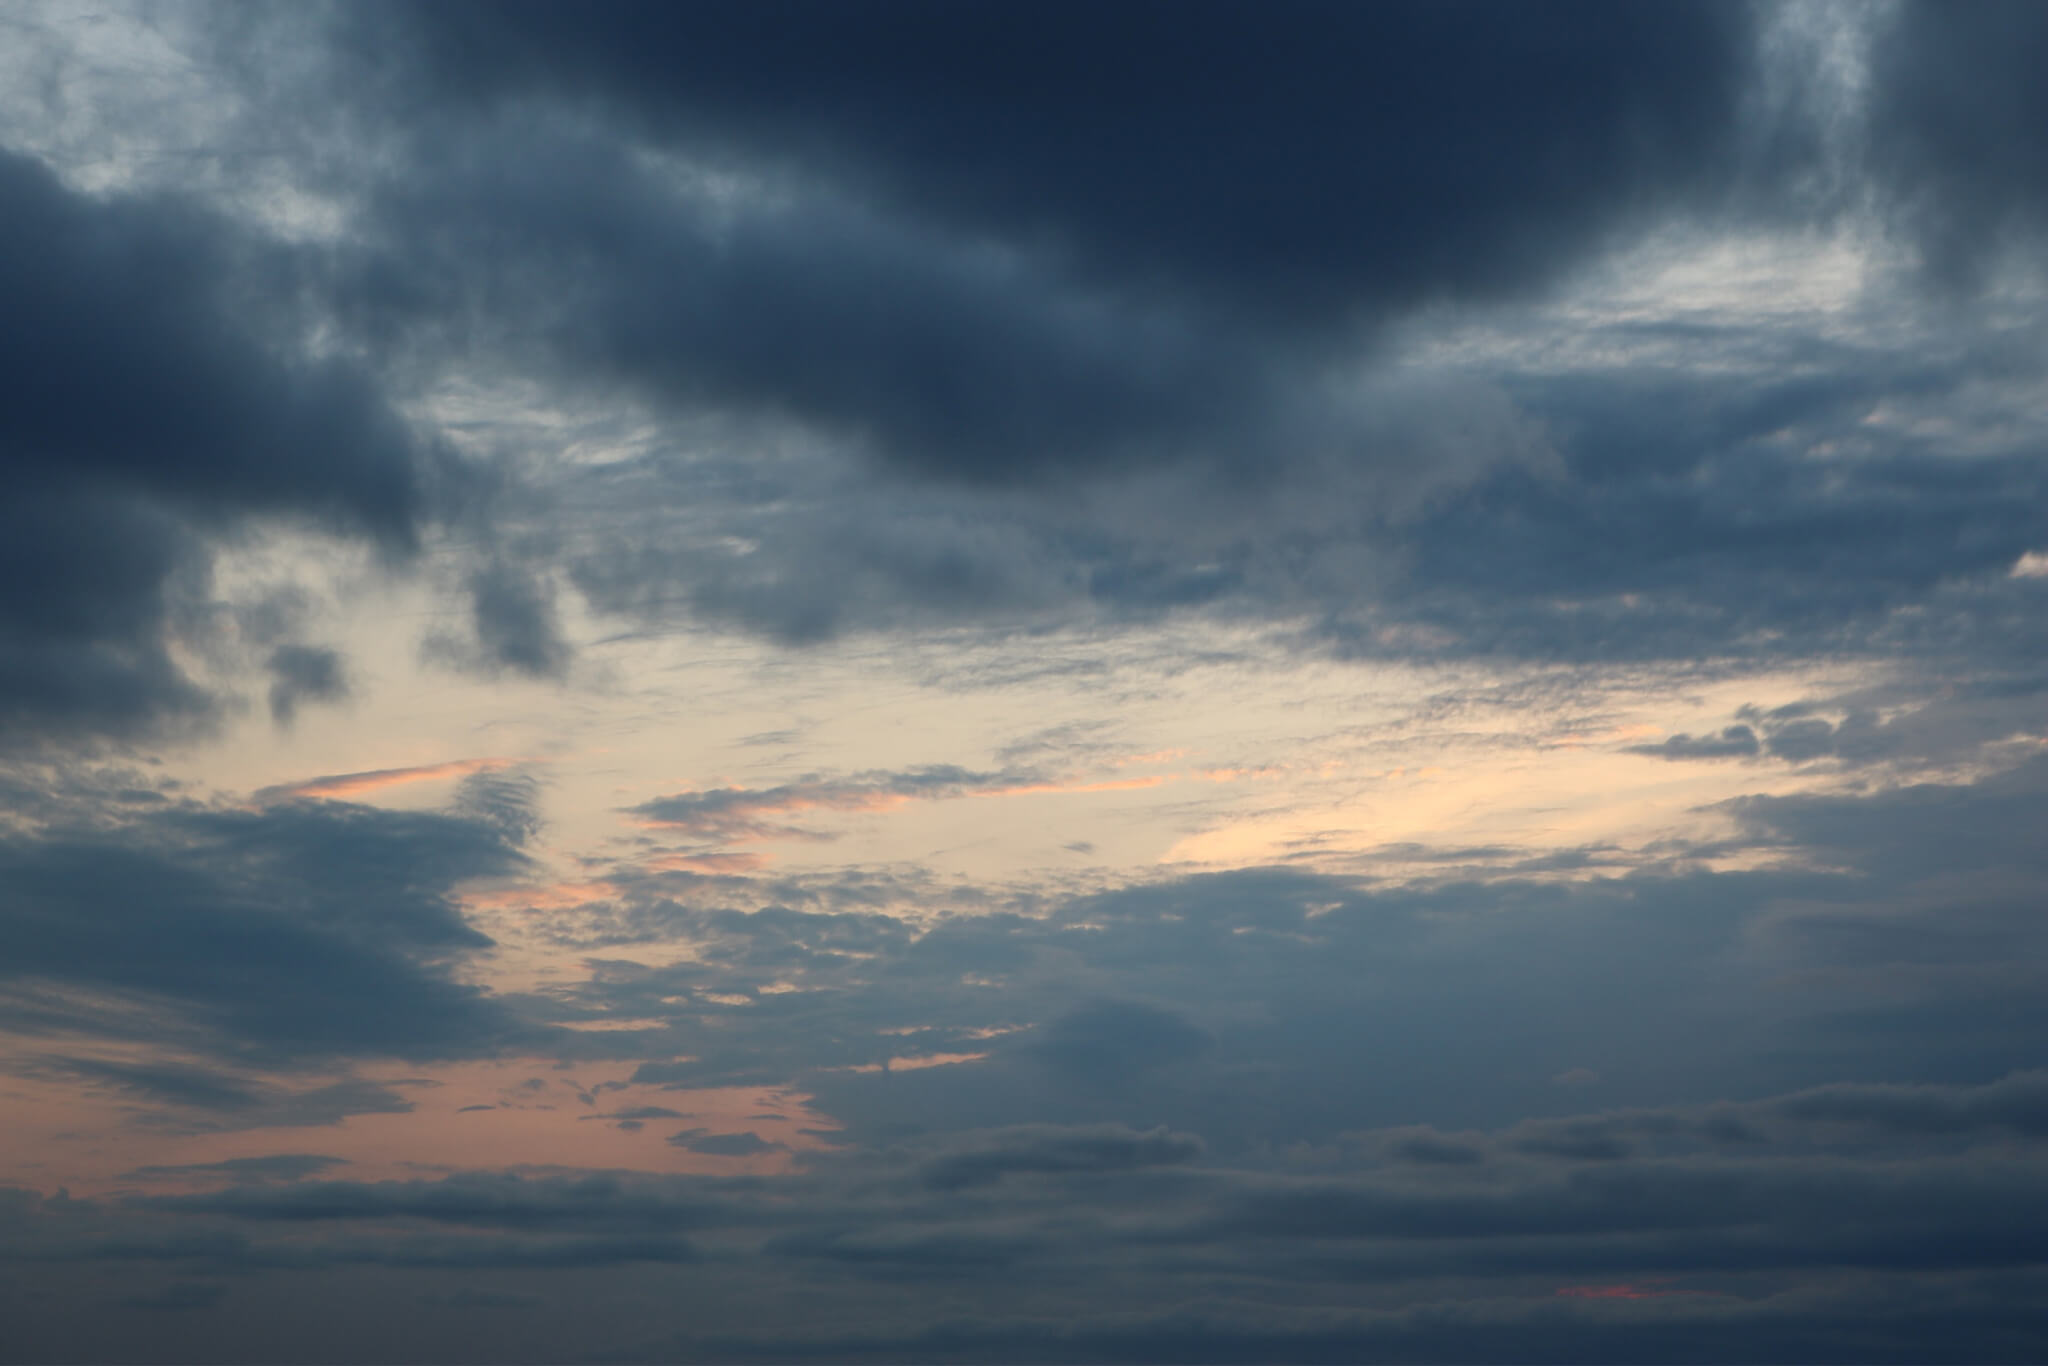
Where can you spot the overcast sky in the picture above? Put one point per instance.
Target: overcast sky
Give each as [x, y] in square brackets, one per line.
[901, 681]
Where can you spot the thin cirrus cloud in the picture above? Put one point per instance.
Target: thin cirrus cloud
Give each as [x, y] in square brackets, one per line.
[732, 814]
[346, 785]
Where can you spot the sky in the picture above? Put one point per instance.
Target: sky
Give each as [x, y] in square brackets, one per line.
[1195, 682]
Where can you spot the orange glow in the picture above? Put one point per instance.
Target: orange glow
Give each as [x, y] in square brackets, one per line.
[717, 865]
[497, 1114]
[922, 1060]
[1043, 789]
[341, 785]
[741, 818]
[555, 896]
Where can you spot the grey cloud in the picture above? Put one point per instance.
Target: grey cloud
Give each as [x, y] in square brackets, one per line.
[743, 1144]
[1840, 1323]
[181, 1295]
[514, 625]
[274, 1167]
[1112, 1041]
[1948, 85]
[1269, 1007]
[1429, 1148]
[982, 1158]
[155, 397]
[298, 931]
[1122, 392]
[1273, 201]
[1673, 1242]
[506, 801]
[1916, 831]
[1682, 527]
[2018, 1103]
[198, 1087]
[731, 813]
[208, 1098]
[1627, 510]
[597, 1203]
[1118, 1221]
[303, 673]
[1733, 742]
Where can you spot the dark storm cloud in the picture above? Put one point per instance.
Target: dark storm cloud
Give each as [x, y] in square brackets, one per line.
[295, 932]
[1101, 292]
[1307, 164]
[944, 357]
[1001, 246]
[1953, 89]
[155, 394]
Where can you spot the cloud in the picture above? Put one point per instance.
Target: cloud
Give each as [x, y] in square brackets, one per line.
[591, 1203]
[1038, 372]
[1272, 201]
[303, 673]
[514, 623]
[724, 1145]
[735, 815]
[2018, 1103]
[1767, 1248]
[978, 1159]
[344, 785]
[1862, 937]
[295, 932]
[1733, 742]
[1945, 86]
[245, 1170]
[1112, 1041]
[181, 1296]
[155, 398]
[193, 1097]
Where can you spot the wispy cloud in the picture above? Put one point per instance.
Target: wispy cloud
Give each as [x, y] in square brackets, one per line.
[341, 786]
[742, 815]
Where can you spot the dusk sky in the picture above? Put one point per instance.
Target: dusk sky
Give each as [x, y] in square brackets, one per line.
[929, 681]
